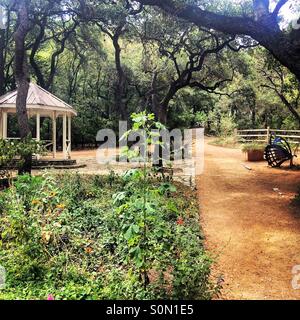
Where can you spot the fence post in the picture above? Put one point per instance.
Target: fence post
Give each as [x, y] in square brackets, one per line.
[236, 134]
[268, 135]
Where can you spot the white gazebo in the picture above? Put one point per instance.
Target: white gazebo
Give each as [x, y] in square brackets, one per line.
[40, 103]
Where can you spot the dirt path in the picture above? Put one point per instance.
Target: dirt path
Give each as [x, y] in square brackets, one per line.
[254, 229]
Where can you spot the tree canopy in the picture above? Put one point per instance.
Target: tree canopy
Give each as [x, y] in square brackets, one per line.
[257, 21]
[190, 62]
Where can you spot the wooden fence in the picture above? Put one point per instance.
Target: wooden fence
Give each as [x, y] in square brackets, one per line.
[263, 135]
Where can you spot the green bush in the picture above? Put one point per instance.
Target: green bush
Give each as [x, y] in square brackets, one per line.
[12, 153]
[79, 237]
[227, 142]
[129, 237]
[227, 126]
[223, 126]
[16, 149]
[254, 146]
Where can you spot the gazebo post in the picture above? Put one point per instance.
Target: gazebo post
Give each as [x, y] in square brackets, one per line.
[65, 136]
[4, 125]
[1, 127]
[38, 130]
[54, 134]
[38, 127]
[70, 134]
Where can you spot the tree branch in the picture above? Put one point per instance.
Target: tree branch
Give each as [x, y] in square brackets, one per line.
[266, 31]
[278, 7]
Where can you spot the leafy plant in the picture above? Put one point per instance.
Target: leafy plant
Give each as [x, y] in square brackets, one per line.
[109, 237]
[67, 237]
[227, 126]
[254, 146]
[13, 151]
[141, 207]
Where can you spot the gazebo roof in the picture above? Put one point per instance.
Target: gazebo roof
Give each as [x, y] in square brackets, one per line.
[39, 100]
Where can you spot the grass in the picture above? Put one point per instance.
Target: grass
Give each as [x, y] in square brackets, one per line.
[226, 142]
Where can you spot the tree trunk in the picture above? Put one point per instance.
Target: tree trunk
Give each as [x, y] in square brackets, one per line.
[253, 118]
[159, 109]
[161, 115]
[2, 62]
[291, 108]
[120, 86]
[120, 90]
[22, 79]
[253, 114]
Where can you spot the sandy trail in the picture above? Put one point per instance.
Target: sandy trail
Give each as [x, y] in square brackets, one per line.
[255, 230]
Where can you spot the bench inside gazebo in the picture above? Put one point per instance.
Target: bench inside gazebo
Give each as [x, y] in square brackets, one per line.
[41, 104]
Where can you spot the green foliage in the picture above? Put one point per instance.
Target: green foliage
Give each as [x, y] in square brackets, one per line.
[223, 126]
[227, 142]
[290, 123]
[66, 236]
[12, 149]
[128, 237]
[81, 59]
[12, 153]
[254, 146]
[227, 126]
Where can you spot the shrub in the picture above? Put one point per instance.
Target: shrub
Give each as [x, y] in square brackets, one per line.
[227, 126]
[13, 151]
[254, 146]
[223, 127]
[227, 142]
[128, 237]
[67, 236]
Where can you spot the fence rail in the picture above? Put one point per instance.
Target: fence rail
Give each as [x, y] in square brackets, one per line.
[263, 135]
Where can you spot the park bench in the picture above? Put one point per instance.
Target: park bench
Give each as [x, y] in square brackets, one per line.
[278, 151]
